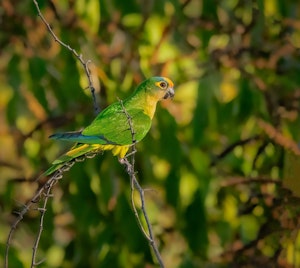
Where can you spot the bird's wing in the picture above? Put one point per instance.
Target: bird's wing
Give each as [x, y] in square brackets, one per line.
[112, 125]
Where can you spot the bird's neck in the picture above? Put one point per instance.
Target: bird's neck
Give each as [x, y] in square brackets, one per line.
[150, 106]
[146, 102]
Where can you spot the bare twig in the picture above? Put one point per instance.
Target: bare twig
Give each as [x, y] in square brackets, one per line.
[47, 194]
[84, 63]
[233, 181]
[278, 137]
[42, 194]
[130, 168]
[232, 146]
[38, 195]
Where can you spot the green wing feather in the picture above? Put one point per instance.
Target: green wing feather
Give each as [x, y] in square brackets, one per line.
[112, 125]
[111, 128]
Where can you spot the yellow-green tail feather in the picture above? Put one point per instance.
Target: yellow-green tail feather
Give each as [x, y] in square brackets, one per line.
[81, 150]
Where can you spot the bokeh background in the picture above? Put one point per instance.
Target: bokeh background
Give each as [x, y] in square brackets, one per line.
[221, 163]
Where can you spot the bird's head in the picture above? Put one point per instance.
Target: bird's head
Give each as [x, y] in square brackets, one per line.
[160, 87]
[149, 92]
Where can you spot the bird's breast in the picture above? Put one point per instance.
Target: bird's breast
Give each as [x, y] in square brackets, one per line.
[150, 106]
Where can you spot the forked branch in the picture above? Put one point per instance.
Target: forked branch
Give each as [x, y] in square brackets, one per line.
[130, 169]
[42, 195]
[43, 191]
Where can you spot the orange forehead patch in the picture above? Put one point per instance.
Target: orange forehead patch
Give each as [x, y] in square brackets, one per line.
[171, 84]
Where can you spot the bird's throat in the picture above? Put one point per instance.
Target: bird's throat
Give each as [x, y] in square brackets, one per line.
[150, 106]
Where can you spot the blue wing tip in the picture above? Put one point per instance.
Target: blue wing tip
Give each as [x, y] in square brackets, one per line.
[65, 135]
[55, 136]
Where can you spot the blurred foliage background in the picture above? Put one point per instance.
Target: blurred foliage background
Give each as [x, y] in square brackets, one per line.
[221, 161]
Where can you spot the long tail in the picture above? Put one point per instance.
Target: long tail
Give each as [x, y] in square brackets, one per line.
[78, 151]
[78, 137]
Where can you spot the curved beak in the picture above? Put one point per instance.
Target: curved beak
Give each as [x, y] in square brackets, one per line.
[170, 93]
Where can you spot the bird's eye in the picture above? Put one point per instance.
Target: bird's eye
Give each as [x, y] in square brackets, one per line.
[163, 85]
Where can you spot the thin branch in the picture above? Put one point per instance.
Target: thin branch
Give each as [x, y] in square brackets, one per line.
[260, 150]
[233, 181]
[84, 63]
[130, 168]
[278, 137]
[38, 195]
[231, 147]
[48, 187]
[42, 193]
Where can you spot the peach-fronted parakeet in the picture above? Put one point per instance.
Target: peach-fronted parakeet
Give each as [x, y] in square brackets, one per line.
[110, 130]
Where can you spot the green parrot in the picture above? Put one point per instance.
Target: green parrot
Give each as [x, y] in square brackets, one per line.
[110, 130]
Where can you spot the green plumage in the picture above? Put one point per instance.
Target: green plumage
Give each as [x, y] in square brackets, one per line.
[116, 129]
[110, 130]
